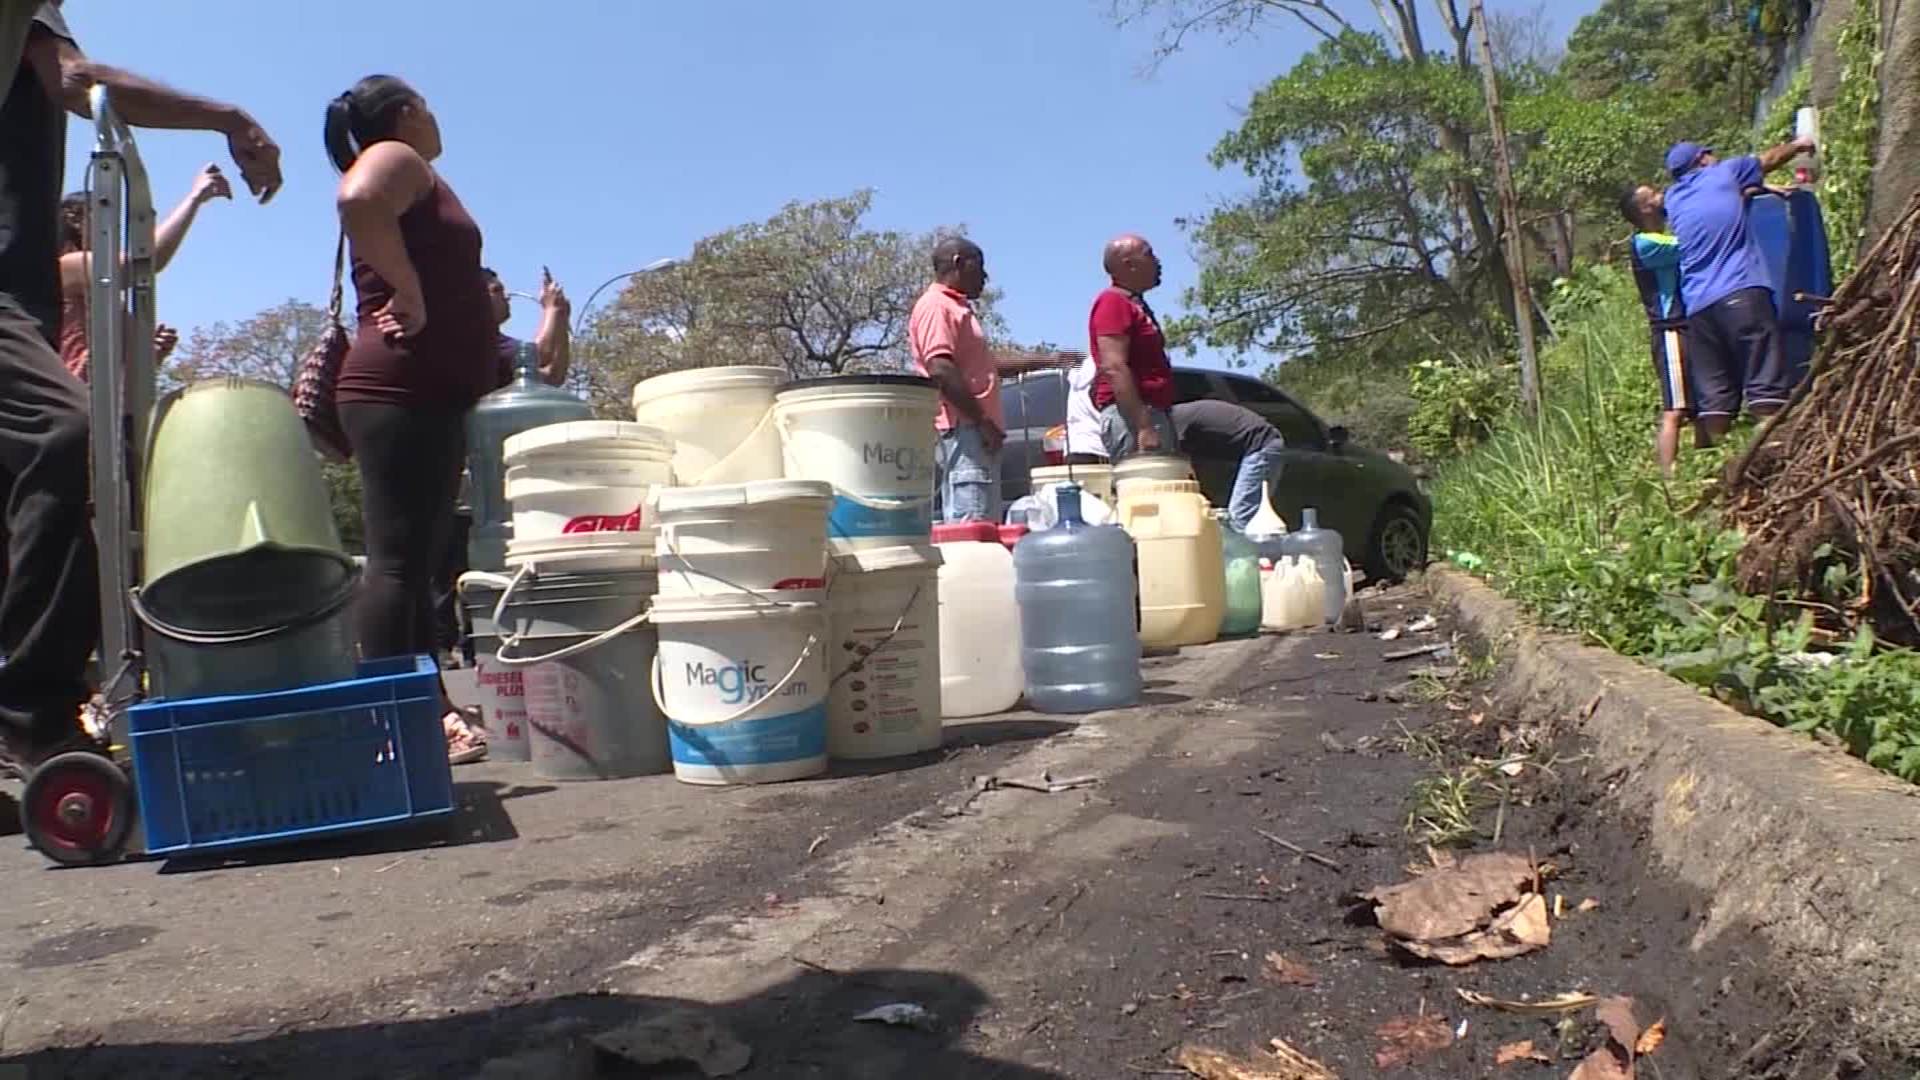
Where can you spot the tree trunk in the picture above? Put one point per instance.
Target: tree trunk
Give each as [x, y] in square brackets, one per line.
[1510, 218]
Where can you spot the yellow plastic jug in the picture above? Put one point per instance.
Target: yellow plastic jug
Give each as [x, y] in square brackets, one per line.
[1183, 584]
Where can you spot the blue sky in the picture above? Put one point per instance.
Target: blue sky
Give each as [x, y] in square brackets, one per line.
[593, 136]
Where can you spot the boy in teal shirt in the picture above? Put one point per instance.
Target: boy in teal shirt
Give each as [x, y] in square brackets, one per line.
[1655, 256]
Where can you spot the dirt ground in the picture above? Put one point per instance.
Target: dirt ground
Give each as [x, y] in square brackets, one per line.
[1091, 932]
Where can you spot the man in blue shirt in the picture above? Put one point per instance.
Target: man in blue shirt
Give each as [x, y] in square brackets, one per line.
[1655, 255]
[1732, 325]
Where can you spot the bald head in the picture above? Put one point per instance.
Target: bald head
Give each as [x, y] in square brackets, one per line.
[1131, 263]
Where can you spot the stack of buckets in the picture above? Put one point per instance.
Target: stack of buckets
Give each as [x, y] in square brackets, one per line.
[872, 438]
[797, 612]
[738, 586]
[564, 634]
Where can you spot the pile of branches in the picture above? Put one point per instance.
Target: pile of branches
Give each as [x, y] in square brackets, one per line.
[1833, 480]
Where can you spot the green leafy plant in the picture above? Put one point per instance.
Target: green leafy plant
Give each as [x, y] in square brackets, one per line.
[1571, 517]
[1849, 130]
[1456, 405]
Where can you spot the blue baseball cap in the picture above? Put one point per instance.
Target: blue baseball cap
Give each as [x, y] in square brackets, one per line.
[1683, 157]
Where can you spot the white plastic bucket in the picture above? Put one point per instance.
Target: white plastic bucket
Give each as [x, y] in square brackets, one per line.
[582, 643]
[720, 419]
[1095, 480]
[582, 479]
[743, 682]
[731, 538]
[884, 627]
[1160, 466]
[499, 691]
[872, 438]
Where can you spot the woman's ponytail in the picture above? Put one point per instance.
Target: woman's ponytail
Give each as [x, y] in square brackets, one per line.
[339, 132]
[364, 115]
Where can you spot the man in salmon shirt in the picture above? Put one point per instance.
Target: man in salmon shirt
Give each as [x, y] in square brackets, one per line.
[1133, 384]
[950, 348]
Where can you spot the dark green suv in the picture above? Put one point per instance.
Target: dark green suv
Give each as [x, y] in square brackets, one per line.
[1372, 501]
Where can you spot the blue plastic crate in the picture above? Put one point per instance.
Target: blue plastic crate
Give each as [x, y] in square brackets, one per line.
[225, 772]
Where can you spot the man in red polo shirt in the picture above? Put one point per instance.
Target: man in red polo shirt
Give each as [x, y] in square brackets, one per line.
[1133, 384]
[950, 348]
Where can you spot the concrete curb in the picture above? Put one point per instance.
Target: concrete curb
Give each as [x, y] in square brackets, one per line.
[1812, 849]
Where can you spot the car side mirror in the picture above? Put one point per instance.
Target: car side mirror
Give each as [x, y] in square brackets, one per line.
[1337, 436]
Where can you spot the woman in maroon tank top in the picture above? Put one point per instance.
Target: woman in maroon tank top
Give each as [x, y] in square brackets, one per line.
[422, 355]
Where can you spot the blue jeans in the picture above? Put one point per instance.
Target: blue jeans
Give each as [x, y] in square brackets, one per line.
[969, 477]
[1263, 466]
[1118, 434]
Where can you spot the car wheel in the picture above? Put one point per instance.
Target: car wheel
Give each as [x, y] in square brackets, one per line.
[1398, 546]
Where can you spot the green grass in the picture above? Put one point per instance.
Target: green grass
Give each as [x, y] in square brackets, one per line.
[1569, 515]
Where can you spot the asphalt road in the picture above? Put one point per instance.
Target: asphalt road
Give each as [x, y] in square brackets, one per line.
[1089, 932]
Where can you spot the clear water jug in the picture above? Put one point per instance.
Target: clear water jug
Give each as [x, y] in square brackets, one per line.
[1242, 560]
[524, 403]
[980, 666]
[1292, 595]
[1327, 551]
[1183, 580]
[1076, 592]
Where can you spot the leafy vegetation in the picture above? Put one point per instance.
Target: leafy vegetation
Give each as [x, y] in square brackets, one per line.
[1848, 131]
[1571, 517]
[812, 289]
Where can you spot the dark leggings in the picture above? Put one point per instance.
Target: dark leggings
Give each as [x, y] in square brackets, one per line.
[409, 462]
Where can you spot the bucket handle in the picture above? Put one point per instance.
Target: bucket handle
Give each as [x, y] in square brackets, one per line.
[666, 539]
[657, 681]
[727, 458]
[884, 638]
[326, 609]
[508, 586]
[883, 503]
[500, 655]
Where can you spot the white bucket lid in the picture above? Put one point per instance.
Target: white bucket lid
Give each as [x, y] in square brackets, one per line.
[583, 433]
[733, 377]
[669, 607]
[752, 493]
[898, 557]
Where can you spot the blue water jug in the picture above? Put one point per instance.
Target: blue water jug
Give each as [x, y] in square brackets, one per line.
[524, 403]
[1079, 636]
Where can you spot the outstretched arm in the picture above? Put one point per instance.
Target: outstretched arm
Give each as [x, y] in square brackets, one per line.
[207, 186]
[1777, 157]
[68, 75]
[553, 343]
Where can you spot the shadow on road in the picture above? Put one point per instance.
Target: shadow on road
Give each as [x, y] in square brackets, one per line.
[801, 1028]
[479, 817]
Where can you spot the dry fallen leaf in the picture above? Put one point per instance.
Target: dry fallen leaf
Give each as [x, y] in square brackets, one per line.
[1589, 904]
[1214, 1065]
[1651, 1039]
[1559, 1003]
[1449, 901]
[1617, 1014]
[1604, 1064]
[1408, 1039]
[1290, 971]
[1304, 1067]
[1523, 1050]
[1517, 931]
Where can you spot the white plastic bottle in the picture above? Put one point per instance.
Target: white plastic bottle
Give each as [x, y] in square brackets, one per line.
[980, 666]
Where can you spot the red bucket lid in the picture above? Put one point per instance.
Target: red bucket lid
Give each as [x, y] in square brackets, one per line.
[1011, 534]
[959, 532]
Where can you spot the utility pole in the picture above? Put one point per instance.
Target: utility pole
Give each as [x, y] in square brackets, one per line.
[1512, 243]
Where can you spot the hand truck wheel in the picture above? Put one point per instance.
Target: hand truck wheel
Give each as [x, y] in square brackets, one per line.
[78, 809]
